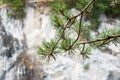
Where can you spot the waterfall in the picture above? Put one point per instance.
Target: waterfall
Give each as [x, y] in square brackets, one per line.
[11, 43]
[19, 40]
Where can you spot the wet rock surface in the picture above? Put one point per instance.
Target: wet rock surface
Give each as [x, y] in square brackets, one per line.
[16, 46]
[114, 75]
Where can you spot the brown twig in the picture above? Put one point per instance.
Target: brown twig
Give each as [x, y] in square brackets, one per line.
[79, 31]
[98, 40]
[80, 23]
[59, 38]
[85, 8]
[82, 49]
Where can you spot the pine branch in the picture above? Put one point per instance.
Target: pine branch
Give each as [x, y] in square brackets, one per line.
[69, 21]
[85, 8]
[67, 44]
[78, 32]
[80, 23]
[103, 39]
[59, 38]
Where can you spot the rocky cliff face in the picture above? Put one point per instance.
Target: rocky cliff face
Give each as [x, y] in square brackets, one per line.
[19, 40]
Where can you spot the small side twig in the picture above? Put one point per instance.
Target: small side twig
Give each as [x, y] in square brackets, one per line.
[98, 40]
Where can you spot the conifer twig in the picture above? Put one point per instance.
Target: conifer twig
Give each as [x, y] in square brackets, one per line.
[103, 39]
[69, 21]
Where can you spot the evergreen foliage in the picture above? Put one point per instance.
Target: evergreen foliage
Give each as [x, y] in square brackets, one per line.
[67, 24]
[17, 8]
[108, 7]
[86, 66]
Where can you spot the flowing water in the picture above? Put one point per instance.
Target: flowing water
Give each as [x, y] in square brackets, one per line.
[19, 40]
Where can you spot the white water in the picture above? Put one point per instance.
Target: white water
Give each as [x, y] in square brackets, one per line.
[24, 37]
[11, 43]
[37, 27]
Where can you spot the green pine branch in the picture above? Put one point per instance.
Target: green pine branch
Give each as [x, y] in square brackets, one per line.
[66, 23]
